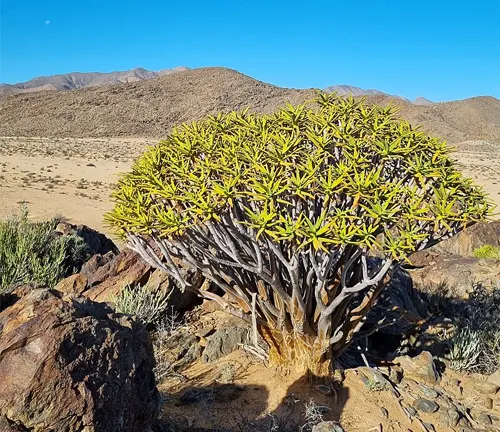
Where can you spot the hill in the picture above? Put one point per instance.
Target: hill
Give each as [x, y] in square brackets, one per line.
[149, 108]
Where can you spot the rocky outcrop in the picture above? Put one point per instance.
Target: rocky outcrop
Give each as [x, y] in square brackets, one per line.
[69, 364]
[224, 342]
[457, 274]
[420, 368]
[468, 240]
[104, 276]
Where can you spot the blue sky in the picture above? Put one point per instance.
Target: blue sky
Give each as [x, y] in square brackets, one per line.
[440, 49]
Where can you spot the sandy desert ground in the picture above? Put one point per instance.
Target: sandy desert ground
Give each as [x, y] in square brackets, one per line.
[73, 178]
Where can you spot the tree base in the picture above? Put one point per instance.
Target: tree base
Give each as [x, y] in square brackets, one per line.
[298, 352]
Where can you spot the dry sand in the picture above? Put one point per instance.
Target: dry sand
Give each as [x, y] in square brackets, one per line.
[73, 178]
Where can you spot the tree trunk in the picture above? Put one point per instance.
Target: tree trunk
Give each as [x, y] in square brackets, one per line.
[299, 352]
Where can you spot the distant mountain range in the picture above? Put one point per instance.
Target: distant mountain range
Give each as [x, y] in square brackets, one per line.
[79, 80]
[346, 90]
[149, 108]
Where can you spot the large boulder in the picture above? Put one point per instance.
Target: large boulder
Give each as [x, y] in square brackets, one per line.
[420, 368]
[69, 364]
[399, 305]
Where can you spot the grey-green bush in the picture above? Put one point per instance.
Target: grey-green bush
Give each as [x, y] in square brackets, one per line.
[32, 252]
[149, 306]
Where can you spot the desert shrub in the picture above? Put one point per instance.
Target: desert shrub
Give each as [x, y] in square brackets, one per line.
[465, 349]
[288, 208]
[148, 305]
[479, 317]
[313, 415]
[474, 343]
[487, 252]
[32, 252]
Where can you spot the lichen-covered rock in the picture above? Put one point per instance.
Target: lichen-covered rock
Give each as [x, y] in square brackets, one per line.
[69, 364]
[425, 405]
[327, 426]
[74, 284]
[224, 342]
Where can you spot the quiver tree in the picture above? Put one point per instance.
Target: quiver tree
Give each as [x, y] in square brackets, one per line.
[286, 209]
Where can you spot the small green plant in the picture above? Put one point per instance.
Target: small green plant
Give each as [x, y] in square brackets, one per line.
[32, 252]
[373, 385]
[149, 306]
[465, 349]
[487, 252]
[227, 374]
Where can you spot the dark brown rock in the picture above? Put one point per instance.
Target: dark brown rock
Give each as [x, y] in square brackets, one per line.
[7, 299]
[104, 277]
[96, 261]
[127, 268]
[74, 284]
[181, 301]
[462, 244]
[69, 364]
[127, 261]
[477, 235]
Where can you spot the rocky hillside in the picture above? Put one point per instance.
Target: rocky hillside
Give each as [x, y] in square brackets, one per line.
[149, 108]
[143, 109]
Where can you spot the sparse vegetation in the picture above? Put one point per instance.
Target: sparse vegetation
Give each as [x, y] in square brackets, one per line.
[286, 209]
[313, 415]
[487, 252]
[31, 252]
[149, 306]
[466, 346]
[167, 329]
[227, 374]
[474, 343]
